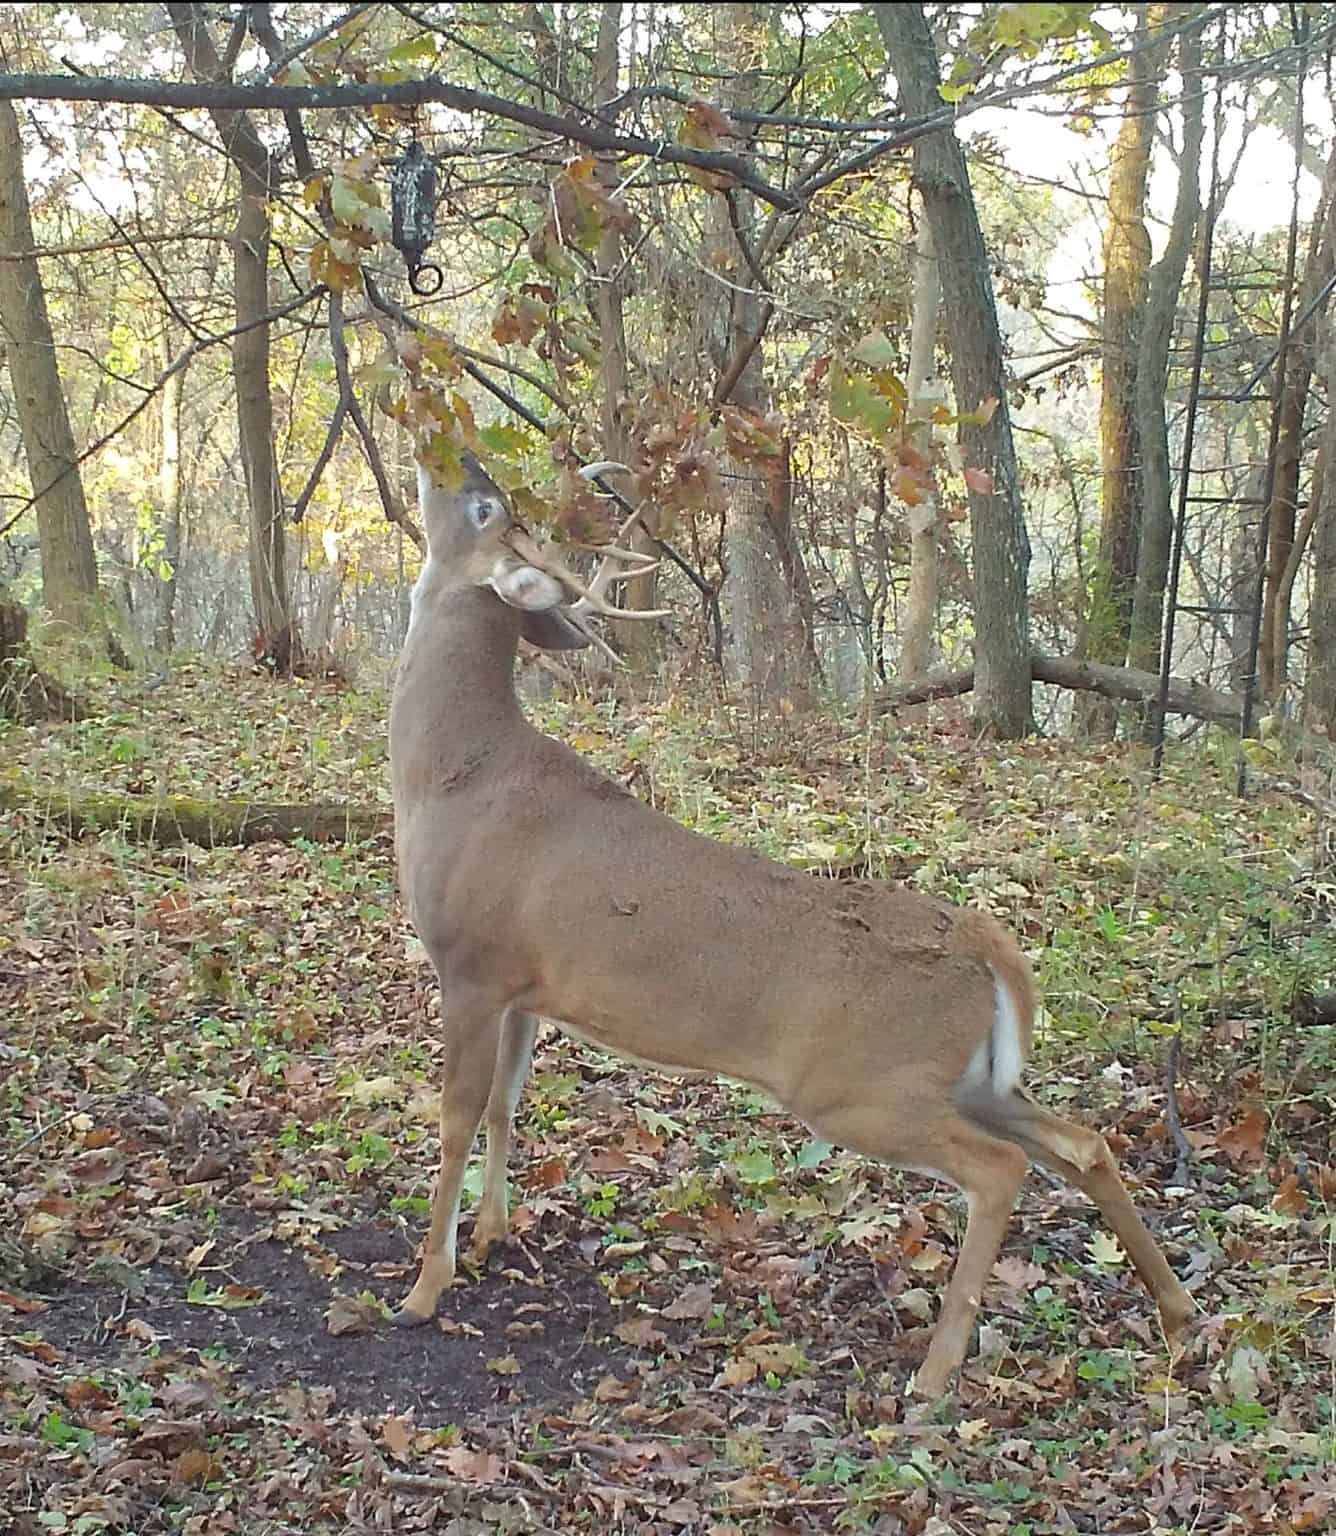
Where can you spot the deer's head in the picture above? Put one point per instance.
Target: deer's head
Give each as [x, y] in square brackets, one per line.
[475, 540]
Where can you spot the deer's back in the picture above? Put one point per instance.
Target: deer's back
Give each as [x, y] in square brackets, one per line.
[596, 909]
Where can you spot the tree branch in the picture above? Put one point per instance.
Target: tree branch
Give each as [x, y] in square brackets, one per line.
[190, 352]
[395, 511]
[233, 97]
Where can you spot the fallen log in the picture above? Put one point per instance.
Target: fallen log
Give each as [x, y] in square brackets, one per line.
[169, 820]
[1125, 683]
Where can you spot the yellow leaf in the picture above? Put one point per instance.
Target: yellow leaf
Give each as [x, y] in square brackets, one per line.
[397, 1433]
[1105, 1249]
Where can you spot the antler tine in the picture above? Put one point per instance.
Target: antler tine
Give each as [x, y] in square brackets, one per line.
[591, 595]
[593, 598]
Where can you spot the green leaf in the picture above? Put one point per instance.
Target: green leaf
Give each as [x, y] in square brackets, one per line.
[755, 1168]
[658, 1124]
[875, 350]
[814, 1153]
[416, 50]
[855, 399]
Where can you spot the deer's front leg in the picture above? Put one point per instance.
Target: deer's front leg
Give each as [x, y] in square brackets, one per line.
[473, 1027]
[512, 1068]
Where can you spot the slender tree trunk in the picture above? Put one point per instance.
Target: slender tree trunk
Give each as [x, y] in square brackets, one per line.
[277, 638]
[917, 647]
[997, 522]
[771, 648]
[1127, 252]
[1163, 288]
[1320, 696]
[169, 499]
[1273, 655]
[860, 601]
[1320, 682]
[637, 641]
[1241, 586]
[69, 568]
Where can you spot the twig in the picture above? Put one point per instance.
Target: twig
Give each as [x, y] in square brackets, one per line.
[778, 1505]
[1182, 1175]
[394, 508]
[426, 1482]
[322, 458]
[44, 1130]
[532, 379]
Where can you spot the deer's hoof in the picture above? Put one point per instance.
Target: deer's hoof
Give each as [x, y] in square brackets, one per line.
[403, 1318]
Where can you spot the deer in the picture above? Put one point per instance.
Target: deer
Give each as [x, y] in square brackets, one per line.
[891, 1023]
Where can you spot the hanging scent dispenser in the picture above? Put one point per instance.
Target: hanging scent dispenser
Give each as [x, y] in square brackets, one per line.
[413, 217]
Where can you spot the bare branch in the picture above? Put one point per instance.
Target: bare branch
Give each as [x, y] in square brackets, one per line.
[395, 511]
[176, 366]
[276, 65]
[322, 458]
[231, 97]
[121, 243]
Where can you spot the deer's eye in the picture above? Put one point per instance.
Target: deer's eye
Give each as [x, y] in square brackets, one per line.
[484, 512]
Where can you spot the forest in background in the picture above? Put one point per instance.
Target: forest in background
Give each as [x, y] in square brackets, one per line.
[915, 329]
[724, 278]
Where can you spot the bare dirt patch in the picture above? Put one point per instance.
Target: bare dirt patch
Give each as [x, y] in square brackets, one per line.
[515, 1335]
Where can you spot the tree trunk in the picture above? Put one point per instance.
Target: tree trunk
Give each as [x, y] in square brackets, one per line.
[69, 569]
[1320, 683]
[169, 500]
[1272, 666]
[27, 695]
[1163, 288]
[771, 647]
[173, 819]
[997, 522]
[917, 647]
[277, 640]
[1126, 253]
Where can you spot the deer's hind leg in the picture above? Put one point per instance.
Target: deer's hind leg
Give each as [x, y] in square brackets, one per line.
[987, 1168]
[1083, 1158]
[473, 1033]
[514, 1054]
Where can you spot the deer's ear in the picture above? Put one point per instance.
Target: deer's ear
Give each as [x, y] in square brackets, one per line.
[524, 586]
[551, 630]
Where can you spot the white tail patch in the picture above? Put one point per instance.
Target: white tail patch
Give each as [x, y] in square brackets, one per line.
[1008, 1054]
[996, 1064]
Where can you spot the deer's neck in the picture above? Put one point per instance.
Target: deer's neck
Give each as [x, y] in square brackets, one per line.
[454, 698]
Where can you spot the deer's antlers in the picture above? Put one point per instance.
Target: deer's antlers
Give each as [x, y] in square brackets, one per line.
[619, 563]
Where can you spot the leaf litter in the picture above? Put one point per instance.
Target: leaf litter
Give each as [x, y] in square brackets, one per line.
[218, 1144]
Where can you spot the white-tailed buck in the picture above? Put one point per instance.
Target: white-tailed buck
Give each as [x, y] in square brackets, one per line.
[891, 1023]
